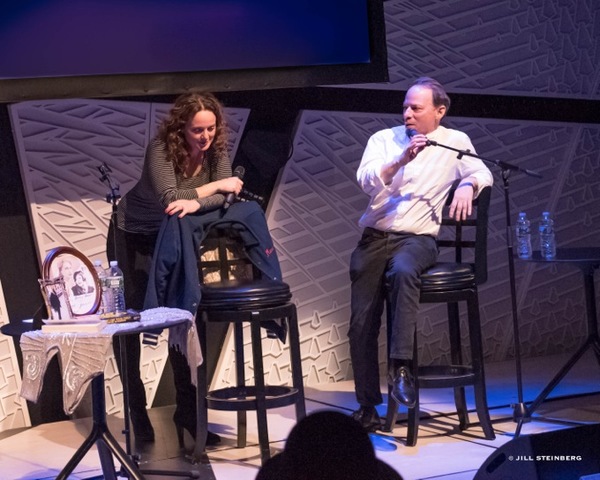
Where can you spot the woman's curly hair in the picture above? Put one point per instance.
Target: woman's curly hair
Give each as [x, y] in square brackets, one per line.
[172, 129]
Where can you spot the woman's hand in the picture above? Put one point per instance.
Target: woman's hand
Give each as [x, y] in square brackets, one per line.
[223, 186]
[182, 207]
[231, 185]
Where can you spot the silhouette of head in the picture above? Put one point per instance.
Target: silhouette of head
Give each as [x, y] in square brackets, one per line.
[327, 445]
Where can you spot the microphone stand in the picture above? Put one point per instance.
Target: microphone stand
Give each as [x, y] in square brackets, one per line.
[520, 412]
[112, 197]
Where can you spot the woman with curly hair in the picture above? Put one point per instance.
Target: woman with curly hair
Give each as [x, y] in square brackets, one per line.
[186, 170]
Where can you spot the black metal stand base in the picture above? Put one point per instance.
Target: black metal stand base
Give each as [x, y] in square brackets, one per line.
[506, 168]
[127, 431]
[519, 411]
[112, 197]
[107, 444]
[523, 413]
[588, 260]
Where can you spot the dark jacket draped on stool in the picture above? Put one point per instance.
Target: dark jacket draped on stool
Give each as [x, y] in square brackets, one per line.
[174, 280]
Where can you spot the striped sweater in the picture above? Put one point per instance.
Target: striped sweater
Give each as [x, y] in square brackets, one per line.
[142, 209]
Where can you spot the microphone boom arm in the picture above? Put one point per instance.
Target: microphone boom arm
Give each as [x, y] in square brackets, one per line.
[503, 165]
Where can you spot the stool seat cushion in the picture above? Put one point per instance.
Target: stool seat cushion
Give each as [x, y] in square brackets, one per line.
[448, 276]
[245, 293]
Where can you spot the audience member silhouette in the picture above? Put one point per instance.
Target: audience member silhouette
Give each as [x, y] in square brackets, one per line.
[327, 445]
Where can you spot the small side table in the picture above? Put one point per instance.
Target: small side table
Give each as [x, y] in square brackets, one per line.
[587, 260]
[39, 347]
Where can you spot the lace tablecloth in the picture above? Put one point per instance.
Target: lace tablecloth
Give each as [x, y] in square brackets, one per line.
[83, 355]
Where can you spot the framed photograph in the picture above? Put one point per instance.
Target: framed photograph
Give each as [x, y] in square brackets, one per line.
[81, 283]
[56, 298]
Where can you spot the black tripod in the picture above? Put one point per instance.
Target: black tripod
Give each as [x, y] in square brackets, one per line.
[520, 412]
[113, 197]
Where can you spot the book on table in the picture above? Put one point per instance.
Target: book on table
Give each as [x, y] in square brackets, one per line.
[82, 324]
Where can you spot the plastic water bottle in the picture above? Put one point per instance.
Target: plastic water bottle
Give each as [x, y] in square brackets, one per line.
[105, 303]
[116, 285]
[547, 238]
[523, 232]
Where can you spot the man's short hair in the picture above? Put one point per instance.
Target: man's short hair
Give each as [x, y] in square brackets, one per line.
[440, 97]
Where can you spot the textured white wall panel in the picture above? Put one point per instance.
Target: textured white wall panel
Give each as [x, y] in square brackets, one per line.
[60, 144]
[315, 208]
[533, 48]
[505, 47]
[13, 408]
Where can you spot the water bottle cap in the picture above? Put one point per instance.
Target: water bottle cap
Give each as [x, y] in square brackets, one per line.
[97, 263]
[114, 263]
[522, 214]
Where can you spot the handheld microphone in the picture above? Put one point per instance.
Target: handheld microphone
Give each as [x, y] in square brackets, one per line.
[411, 132]
[230, 198]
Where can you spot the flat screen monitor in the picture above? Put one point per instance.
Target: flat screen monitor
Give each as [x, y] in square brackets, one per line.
[100, 48]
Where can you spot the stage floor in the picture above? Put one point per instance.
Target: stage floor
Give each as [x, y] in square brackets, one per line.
[442, 450]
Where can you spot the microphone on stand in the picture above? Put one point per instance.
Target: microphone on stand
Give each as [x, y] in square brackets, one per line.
[114, 194]
[230, 198]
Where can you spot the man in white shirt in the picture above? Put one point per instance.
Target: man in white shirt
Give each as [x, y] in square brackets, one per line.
[408, 182]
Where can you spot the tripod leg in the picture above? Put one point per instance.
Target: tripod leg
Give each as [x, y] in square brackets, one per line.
[558, 377]
[79, 454]
[519, 426]
[106, 461]
[126, 461]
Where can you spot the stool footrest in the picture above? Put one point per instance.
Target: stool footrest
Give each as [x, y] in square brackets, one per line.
[444, 376]
[244, 398]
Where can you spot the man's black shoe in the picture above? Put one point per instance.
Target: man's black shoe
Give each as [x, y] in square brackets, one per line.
[403, 387]
[368, 418]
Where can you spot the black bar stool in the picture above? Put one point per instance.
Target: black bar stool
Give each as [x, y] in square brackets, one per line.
[262, 304]
[451, 283]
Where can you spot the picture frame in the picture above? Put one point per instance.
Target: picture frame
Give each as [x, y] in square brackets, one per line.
[81, 282]
[56, 299]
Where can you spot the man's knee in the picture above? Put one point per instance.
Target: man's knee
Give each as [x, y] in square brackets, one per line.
[402, 272]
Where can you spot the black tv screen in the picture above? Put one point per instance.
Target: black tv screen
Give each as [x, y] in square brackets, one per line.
[59, 48]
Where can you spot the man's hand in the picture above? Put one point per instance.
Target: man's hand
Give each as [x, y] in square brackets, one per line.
[462, 203]
[417, 144]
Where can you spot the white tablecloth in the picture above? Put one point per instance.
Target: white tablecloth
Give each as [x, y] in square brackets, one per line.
[83, 355]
